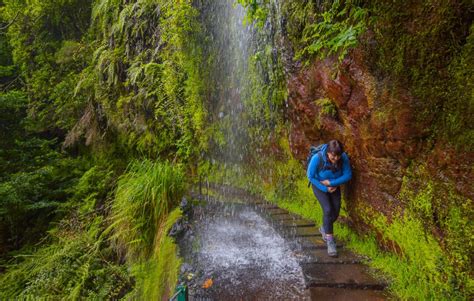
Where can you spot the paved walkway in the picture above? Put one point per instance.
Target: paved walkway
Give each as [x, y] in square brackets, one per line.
[345, 277]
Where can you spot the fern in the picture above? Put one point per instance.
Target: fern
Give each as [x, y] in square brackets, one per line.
[328, 28]
[143, 199]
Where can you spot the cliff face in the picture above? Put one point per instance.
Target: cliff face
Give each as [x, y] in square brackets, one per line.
[395, 125]
[378, 123]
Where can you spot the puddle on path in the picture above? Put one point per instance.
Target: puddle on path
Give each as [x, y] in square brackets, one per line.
[242, 253]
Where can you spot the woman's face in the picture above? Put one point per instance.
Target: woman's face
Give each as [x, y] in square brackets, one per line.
[333, 158]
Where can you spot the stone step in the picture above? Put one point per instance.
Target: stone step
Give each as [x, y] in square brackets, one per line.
[305, 248]
[267, 206]
[299, 235]
[277, 211]
[311, 247]
[320, 256]
[290, 220]
[300, 228]
[318, 240]
[297, 223]
[353, 276]
[342, 294]
[308, 231]
[284, 219]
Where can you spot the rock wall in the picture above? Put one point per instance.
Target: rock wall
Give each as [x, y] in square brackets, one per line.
[377, 121]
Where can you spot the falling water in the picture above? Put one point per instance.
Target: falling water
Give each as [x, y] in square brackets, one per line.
[227, 53]
[231, 243]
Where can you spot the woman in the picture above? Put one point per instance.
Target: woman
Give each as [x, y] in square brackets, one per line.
[326, 177]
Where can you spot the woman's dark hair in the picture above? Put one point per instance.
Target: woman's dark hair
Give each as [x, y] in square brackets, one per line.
[335, 147]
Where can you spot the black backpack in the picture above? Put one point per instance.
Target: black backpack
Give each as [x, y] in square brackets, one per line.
[315, 150]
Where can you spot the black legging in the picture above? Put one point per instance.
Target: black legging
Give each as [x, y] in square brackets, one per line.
[331, 205]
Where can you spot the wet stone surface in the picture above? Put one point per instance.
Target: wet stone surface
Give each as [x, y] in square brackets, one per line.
[242, 253]
[245, 252]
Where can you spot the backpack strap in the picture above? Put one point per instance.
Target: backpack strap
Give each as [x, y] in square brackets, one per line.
[321, 162]
[320, 165]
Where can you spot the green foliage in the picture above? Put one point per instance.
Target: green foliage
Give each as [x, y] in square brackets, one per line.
[264, 96]
[157, 276]
[147, 75]
[31, 199]
[106, 82]
[325, 29]
[37, 34]
[326, 108]
[426, 48]
[74, 266]
[12, 111]
[79, 261]
[7, 69]
[145, 194]
[257, 11]
[75, 260]
[335, 30]
[91, 189]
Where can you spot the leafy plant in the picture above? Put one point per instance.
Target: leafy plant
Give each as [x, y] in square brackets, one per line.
[325, 29]
[157, 275]
[257, 11]
[145, 195]
[327, 107]
[75, 265]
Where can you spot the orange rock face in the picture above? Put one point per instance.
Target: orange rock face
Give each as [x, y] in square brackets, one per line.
[377, 122]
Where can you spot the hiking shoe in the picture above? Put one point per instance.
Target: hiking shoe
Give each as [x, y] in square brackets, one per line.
[323, 234]
[332, 251]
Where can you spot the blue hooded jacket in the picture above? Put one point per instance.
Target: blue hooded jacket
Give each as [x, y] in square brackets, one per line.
[337, 178]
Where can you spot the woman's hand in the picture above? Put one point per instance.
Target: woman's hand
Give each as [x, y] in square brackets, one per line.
[325, 182]
[332, 189]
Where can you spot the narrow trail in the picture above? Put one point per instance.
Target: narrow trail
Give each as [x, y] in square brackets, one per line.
[345, 277]
[258, 251]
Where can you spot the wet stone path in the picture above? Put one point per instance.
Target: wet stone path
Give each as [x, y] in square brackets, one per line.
[344, 277]
[257, 251]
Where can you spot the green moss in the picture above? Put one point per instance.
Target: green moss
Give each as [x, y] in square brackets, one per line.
[424, 48]
[157, 276]
[326, 108]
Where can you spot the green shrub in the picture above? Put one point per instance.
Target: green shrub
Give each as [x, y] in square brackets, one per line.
[145, 195]
[75, 265]
[157, 276]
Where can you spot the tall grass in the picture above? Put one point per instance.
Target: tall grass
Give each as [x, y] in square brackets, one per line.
[145, 194]
[157, 275]
[141, 216]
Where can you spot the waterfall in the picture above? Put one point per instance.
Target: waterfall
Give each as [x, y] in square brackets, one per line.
[242, 60]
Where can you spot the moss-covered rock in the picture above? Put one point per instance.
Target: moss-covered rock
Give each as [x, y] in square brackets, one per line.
[404, 101]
